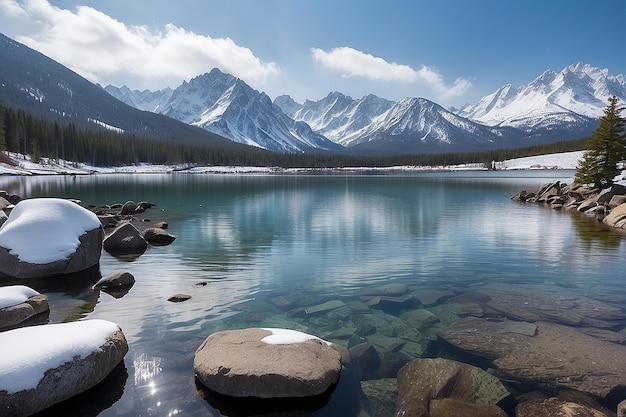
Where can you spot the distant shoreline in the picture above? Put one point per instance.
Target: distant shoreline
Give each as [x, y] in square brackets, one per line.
[24, 167]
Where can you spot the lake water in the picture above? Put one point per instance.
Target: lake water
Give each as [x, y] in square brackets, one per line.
[255, 250]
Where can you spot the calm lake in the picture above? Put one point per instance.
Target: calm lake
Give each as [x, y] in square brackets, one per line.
[259, 250]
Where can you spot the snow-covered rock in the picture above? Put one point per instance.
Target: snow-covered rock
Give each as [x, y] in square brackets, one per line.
[267, 363]
[19, 303]
[44, 365]
[49, 236]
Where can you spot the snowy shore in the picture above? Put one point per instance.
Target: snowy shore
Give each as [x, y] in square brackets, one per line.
[24, 166]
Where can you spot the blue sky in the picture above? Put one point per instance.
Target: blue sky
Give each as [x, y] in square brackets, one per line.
[449, 51]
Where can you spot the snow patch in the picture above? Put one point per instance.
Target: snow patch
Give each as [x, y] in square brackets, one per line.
[15, 294]
[287, 337]
[106, 126]
[44, 230]
[30, 351]
[565, 160]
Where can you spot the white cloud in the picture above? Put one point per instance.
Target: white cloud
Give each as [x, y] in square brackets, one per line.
[99, 47]
[353, 63]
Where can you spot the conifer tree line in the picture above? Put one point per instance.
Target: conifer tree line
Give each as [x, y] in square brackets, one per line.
[20, 132]
[605, 155]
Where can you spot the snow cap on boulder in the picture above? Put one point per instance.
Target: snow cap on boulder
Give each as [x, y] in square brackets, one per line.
[19, 303]
[49, 236]
[51, 363]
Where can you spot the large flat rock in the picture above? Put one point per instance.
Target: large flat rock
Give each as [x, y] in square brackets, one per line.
[267, 363]
[556, 356]
[551, 304]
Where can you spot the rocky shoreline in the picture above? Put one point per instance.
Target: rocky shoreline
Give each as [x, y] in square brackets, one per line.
[443, 350]
[607, 205]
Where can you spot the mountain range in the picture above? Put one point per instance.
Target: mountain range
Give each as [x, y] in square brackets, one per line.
[555, 106]
[221, 110]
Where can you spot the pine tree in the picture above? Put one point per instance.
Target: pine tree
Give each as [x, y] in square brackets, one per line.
[606, 149]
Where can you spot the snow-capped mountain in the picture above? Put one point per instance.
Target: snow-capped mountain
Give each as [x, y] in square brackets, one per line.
[571, 100]
[146, 100]
[224, 104]
[554, 106]
[338, 117]
[373, 124]
[420, 124]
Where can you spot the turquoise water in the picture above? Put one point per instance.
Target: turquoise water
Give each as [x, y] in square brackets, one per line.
[253, 250]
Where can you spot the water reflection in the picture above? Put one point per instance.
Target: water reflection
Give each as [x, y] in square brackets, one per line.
[594, 233]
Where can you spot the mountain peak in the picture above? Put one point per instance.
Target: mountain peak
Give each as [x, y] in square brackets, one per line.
[580, 67]
[574, 97]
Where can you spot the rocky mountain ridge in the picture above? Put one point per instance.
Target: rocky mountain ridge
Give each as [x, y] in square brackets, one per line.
[225, 105]
[554, 106]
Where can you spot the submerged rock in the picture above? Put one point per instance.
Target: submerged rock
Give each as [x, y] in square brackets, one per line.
[555, 357]
[365, 360]
[386, 301]
[424, 380]
[558, 306]
[267, 363]
[324, 307]
[556, 407]
[452, 407]
[380, 395]
[432, 296]
[391, 290]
